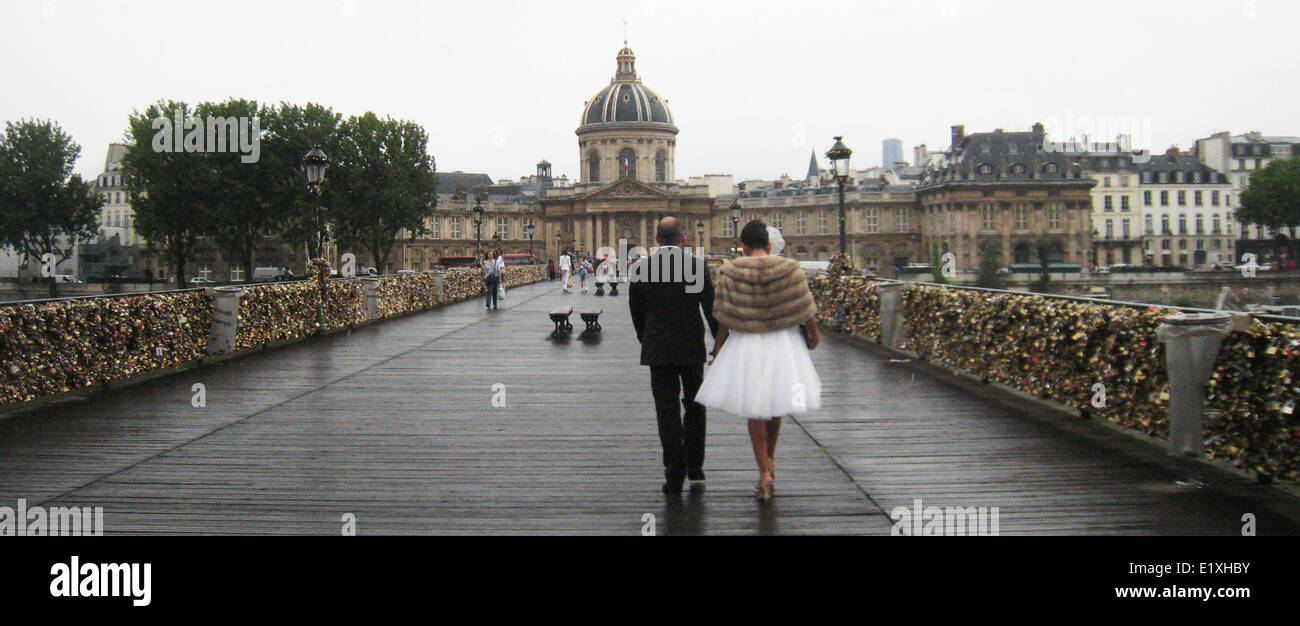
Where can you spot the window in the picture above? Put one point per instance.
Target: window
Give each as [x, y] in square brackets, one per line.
[1022, 216]
[1214, 198]
[1054, 217]
[903, 219]
[1105, 181]
[1200, 244]
[873, 220]
[1110, 228]
[1123, 204]
[1182, 244]
[1146, 198]
[455, 228]
[1200, 224]
[661, 167]
[1196, 198]
[1182, 198]
[989, 217]
[1182, 224]
[1164, 245]
[593, 166]
[1148, 227]
[985, 168]
[821, 222]
[503, 228]
[1108, 204]
[627, 163]
[1164, 198]
[800, 224]
[435, 226]
[1124, 228]
[236, 273]
[778, 221]
[1214, 224]
[1164, 225]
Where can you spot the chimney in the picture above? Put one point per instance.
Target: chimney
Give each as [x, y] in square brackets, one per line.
[958, 133]
[1172, 152]
[1039, 132]
[921, 154]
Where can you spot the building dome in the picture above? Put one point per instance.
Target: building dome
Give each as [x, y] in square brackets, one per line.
[626, 100]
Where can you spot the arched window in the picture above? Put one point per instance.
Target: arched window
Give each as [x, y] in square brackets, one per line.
[661, 167]
[627, 163]
[593, 166]
[1022, 253]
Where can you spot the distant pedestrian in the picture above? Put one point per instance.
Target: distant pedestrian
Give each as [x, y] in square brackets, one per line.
[550, 270]
[584, 269]
[566, 271]
[491, 279]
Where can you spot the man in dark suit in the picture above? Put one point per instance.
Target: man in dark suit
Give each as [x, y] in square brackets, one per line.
[667, 293]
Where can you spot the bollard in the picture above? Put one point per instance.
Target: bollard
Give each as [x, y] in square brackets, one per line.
[370, 289]
[225, 318]
[437, 285]
[1191, 345]
[891, 318]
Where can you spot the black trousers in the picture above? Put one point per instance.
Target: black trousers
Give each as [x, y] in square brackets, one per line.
[682, 439]
[490, 290]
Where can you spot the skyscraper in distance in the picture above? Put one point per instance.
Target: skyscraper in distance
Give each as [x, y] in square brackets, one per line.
[891, 153]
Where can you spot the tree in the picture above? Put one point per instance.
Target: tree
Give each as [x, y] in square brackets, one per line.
[167, 188]
[382, 182]
[1049, 251]
[240, 196]
[291, 131]
[936, 266]
[42, 203]
[990, 271]
[1272, 200]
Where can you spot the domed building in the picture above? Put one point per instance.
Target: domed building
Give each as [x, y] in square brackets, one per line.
[627, 142]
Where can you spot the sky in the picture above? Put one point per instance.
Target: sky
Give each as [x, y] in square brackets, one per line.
[754, 86]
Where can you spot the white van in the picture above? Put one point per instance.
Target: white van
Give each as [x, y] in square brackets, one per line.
[271, 274]
[66, 278]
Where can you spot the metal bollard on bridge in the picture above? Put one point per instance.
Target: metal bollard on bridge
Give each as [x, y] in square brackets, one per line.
[1191, 345]
[225, 319]
[891, 313]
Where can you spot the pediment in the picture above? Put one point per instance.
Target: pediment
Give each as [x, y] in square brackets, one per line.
[626, 188]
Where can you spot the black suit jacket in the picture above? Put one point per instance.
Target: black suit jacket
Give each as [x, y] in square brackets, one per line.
[666, 304]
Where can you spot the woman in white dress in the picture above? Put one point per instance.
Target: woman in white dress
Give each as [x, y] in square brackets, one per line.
[762, 369]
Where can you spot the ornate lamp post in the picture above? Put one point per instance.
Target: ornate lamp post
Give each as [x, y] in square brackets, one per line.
[528, 228]
[699, 240]
[478, 224]
[559, 237]
[315, 163]
[839, 156]
[735, 224]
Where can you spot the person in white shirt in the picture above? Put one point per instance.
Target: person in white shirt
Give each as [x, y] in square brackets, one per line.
[501, 276]
[566, 271]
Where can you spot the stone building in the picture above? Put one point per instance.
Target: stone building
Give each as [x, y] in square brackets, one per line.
[627, 144]
[1005, 188]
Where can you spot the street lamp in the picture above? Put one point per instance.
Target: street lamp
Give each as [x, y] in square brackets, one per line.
[839, 156]
[478, 223]
[699, 241]
[735, 222]
[315, 163]
[559, 237]
[528, 228]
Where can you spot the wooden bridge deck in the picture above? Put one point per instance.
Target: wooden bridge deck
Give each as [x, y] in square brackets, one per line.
[395, 424]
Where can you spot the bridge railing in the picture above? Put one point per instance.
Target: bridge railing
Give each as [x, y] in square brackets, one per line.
[1101, 357]
[51, 347]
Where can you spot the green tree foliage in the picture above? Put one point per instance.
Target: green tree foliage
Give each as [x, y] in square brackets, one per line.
[990, 275]
[292, 131]
[381, 182]
[1273, 198]
[168, 189]
[42, 203]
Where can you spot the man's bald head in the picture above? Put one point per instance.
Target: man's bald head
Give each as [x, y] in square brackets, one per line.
[669, 232]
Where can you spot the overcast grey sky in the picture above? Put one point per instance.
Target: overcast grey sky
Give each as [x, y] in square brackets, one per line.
[753, 85]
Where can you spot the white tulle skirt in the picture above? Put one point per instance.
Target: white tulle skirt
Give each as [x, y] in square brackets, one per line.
[762, 375]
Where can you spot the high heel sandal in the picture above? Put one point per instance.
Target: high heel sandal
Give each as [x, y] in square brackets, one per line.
[765, 489]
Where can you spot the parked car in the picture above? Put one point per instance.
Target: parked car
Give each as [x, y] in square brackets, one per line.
[199, 280]
[406, 272]
[66, 278]
[271, 274]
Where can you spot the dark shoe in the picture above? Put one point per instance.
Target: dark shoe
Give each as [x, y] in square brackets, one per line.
[673, 486]
[695, 475]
